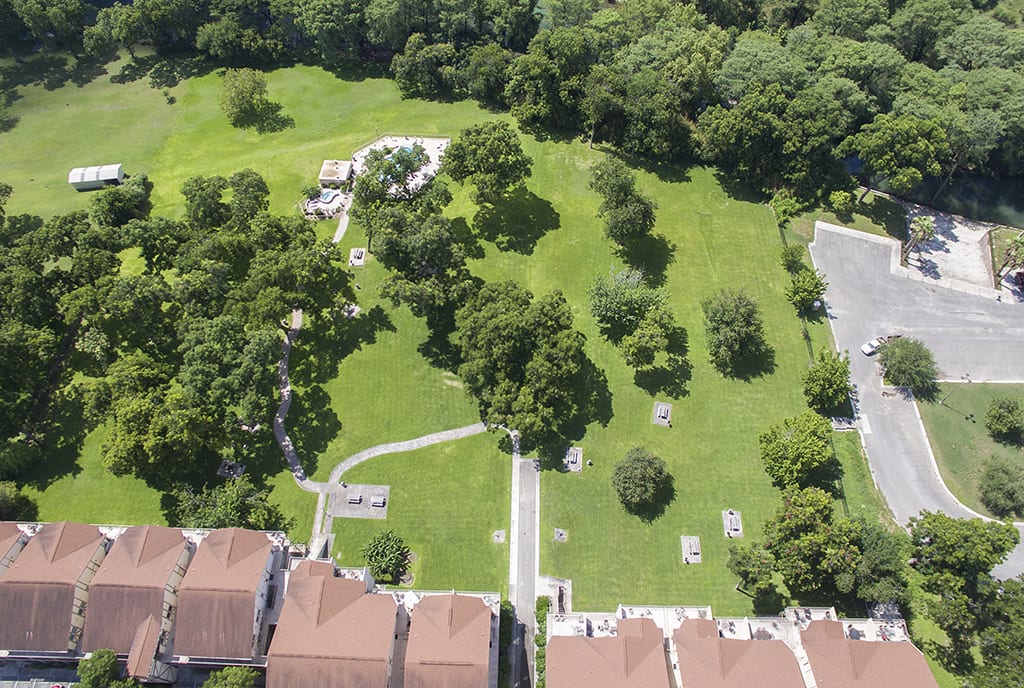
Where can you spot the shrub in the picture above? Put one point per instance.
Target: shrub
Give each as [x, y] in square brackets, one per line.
[1005, 419]
[841, 202]
[793, 258]
[1002, 486]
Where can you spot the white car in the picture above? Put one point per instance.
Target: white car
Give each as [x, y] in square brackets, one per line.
[872, 347]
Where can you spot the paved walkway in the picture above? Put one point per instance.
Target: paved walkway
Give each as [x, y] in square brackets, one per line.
[523, 562]
[968, 330]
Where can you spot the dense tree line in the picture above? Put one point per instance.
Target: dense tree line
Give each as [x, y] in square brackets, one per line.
[179, 357]
[779, 94]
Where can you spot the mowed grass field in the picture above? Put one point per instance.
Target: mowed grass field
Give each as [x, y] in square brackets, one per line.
[959, 439]
[446, 502]
[373, 383]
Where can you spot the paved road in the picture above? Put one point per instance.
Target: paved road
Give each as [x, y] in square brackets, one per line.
[523, 563]
[968, 333]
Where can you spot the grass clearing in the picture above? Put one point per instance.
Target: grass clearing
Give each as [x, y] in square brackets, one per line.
[446, 502]
[71, 487]
[878, 215]
[375, 384]
[959, 439]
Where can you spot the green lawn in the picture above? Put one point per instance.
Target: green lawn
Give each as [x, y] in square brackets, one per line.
[71, 487]
[72, 125]
[446, 502]
[876, 215]
[374, 381]
[960, 442]
[861, 498]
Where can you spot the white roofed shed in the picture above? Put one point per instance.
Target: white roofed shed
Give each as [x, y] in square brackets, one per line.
[95, 177]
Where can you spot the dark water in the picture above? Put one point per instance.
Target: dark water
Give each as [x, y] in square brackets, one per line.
[979, 198]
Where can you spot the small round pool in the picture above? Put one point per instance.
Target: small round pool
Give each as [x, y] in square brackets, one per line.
[328, 195]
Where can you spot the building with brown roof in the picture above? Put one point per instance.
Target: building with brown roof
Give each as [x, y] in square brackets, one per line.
[136, 588]
[839, 662]
[12, 541]
[706, 660]
[44, 593]
[452, 643]
[632, 658]
[225, 594]
[333, 632]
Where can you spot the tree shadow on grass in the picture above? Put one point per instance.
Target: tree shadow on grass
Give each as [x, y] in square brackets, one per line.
[51, 71]
[517, 221]
[753, 365]
[653, 254]
[769, 603]
[651, 511]
[267, 118]
[312, 424]
[738, 189]
[671, 171]
[163, 72]
[325, 346]
[673, 377]
[466, 238]
[593, 404]
[887, 213]
[65, 432]
[356, 70]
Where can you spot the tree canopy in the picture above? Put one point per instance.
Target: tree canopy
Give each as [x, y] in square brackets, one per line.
[237, 503]
[489, 156]
[909, 363]
[735, 331]
[386, 555]
[796, 449]
[827, 383]
[522, 359]
[640, 479]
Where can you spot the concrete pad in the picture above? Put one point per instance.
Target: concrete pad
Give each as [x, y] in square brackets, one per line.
[561, 535]
[662, 414]
[573, 460]
[732, 523]
[960, 250]
[357, 257]
[498, 537]
[343, 501]
[691, 549]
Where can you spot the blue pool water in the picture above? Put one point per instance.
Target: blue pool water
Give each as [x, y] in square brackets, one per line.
[328, 195]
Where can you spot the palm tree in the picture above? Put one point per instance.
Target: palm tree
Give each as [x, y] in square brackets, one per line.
[922, 229]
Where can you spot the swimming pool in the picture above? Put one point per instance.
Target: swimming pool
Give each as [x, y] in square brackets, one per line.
[328, 195]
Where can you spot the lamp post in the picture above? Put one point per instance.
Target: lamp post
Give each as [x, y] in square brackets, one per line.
[966, 377]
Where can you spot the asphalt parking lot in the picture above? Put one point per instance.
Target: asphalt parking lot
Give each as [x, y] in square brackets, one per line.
[972, 336]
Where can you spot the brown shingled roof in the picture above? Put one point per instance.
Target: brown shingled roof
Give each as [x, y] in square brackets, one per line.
[10, 534]
[129, 587]
[331, 633]
[838, 662]
[37, 592]
[709, 661]
[217, 599]
[449, 643]
[635, 658]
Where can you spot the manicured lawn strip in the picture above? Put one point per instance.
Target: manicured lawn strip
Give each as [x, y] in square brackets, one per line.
[97, 123]
[960, 442]
[877, 215]
[79, 488]
[446, 502]
[862, 498]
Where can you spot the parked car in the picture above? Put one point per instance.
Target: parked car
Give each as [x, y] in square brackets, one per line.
[872, 347]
